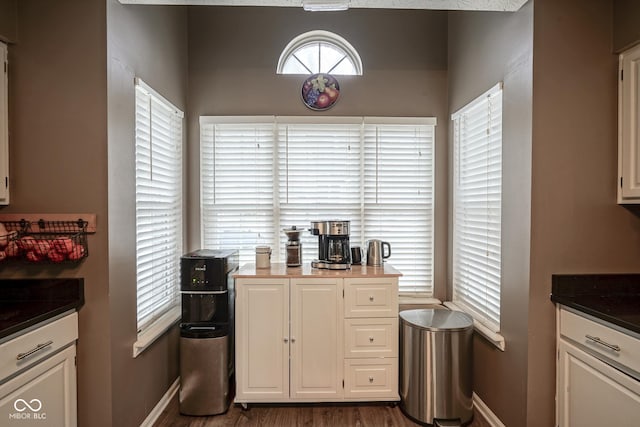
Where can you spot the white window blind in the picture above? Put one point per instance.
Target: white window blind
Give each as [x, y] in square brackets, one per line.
[158, 158]
[262, 174]
[477, 207]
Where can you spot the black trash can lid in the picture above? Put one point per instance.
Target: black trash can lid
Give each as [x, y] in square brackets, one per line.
[437, 319]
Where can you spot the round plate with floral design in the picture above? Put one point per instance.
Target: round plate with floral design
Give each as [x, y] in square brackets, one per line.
[320, 91]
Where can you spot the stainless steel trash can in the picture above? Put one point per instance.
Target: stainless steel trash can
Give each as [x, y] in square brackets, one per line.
[204, 371]
[436, 354]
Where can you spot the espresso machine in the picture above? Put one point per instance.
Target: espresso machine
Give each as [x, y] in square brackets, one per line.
[333, 245]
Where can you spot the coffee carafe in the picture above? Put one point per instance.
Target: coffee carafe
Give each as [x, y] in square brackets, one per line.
[294, 247]
[333, 245]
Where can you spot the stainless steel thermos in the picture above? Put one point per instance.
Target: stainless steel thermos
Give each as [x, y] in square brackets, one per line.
[375, 252]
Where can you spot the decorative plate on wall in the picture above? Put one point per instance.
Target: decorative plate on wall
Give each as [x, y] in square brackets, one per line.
[320, 91]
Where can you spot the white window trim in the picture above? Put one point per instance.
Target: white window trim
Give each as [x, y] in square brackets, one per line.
[320, 36]
[483, 325]
[162, 324]
[156, 330]
[493, 337]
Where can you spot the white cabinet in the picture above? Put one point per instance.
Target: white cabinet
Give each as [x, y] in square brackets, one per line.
[304, 339]
[629, 127]
[371, 338]
[288, 335]
[592, 388]
[38, 375]
[316, 333]
[262, 340]
[44, 394]
[4, 127]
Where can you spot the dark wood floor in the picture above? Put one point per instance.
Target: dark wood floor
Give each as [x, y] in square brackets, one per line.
[310, 415]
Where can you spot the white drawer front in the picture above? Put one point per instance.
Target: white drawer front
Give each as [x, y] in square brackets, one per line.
[371, 378]
[587, 333]
[377, 337]
[27, 349]
[371, 297]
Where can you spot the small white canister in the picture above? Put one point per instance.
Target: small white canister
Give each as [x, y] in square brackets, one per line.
[263, 257]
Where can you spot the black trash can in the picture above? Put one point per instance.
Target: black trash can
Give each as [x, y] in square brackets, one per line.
[436, 355]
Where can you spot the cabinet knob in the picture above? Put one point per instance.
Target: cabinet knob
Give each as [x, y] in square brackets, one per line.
[370, 379]
[293, 340]
[286, 340]
[370, 339]
[371, 298]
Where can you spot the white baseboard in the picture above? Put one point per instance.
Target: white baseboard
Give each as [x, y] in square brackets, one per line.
[484, 410]
[161, 405]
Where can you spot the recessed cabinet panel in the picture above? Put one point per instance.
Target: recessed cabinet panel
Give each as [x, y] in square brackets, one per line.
[370, 298]
[371, 378]
[316, 332]
[262, 339]
[592, 393]
[629, 127]
[377, 337]
[42, 395]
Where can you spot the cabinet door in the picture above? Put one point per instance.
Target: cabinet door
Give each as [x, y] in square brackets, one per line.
[316, 338]
[629, 127]
[45, 394]
[592, 393]
[262, 340]
[4, 128]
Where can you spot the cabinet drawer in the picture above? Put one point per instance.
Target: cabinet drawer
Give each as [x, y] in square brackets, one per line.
[371, 378]
[25, 350]
[376, 337]
[587, 333]
[371, 297]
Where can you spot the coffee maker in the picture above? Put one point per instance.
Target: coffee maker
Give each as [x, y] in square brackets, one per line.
[333, 245]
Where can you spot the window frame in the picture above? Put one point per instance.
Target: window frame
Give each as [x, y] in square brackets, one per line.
[486, 321]
[150, 328]
[273, 235]
[320, 36]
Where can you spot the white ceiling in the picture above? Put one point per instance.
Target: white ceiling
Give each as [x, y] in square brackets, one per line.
[488, 5]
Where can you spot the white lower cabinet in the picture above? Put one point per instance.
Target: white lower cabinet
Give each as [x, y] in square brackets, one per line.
[43, 395]
[262, 340]
[294, 343]
[591, 392]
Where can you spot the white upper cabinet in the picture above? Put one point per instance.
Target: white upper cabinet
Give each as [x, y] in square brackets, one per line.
[4, 127]
[628, 127]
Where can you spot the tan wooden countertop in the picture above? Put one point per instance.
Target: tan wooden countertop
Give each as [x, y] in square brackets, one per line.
[280, 270]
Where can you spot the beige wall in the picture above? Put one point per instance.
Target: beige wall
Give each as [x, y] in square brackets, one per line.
[626, 30]
[233, 53]
[577, 225]
[150, 43]
[8, 20]
[484, 49]
[58, 153]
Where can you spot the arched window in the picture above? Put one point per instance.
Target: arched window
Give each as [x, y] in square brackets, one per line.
[319, 51]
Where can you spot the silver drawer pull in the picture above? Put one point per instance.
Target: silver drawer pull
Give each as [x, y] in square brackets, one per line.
[37, 348]
[371, 298]
[370, 339]
[597, 340]
[370, 379]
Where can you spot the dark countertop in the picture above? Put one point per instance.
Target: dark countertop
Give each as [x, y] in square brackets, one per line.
[26, 302]
[614, 298]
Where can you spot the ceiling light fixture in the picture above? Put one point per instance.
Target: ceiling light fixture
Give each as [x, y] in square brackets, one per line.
[325, 5]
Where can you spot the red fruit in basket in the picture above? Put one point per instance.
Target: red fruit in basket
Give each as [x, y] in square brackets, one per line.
[27, 243]
[63, 245]
[3, 255]
[42, 247]
[76, 253]
[32, 256]
[12, 249]
[55, 256]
